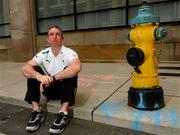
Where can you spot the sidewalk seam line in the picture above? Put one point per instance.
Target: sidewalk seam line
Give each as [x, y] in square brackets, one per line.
[92, 112]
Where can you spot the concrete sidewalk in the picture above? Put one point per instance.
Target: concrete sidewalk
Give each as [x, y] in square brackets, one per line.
[102, 96]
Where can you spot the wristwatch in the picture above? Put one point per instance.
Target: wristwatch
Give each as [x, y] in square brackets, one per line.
[54, 78]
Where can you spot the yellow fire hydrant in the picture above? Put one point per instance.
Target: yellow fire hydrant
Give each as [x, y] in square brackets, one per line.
[145, 92]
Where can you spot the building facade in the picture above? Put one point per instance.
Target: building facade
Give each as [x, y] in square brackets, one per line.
[96, 29]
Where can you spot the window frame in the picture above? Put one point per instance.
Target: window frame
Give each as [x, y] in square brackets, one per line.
[127, 7]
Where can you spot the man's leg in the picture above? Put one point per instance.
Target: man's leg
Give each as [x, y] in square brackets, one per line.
[62, 119]
[43, 103]
[36, 118]
[64, 107]
[33, 97]
[67, 99]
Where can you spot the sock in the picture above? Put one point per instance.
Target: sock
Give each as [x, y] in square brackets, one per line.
[38, 110]
[65, 113]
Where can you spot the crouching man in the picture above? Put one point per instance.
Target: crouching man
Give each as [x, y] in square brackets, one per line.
[51, 75]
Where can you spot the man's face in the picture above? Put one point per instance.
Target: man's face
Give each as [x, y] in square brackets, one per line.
[55, 37]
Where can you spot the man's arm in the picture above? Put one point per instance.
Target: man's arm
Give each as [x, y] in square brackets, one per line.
[70, 71]
[29, 72]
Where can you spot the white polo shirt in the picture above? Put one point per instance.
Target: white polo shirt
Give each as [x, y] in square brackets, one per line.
[53, 64]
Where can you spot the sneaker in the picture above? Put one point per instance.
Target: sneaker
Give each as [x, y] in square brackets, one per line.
[34, 121]
[59, 123]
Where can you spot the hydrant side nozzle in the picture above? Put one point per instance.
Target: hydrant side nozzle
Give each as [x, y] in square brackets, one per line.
[135, 56]
[160, 33]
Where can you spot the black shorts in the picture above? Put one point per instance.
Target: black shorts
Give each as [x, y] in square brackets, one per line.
[64, 90]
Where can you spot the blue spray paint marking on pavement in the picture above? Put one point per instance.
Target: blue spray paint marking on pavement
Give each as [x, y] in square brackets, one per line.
[173, 117]
[168, 115]
[156, 117]
[137, 125]
[110, 109]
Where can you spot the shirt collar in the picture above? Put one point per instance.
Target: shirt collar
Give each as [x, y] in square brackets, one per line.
[60, 54]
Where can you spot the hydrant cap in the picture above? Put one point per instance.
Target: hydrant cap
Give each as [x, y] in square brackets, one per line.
[144, 16]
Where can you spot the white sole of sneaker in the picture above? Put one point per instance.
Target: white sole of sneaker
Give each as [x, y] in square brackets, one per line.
[31, 129]
[52, 131]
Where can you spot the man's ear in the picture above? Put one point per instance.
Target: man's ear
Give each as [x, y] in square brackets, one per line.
[47, 40]
[62, 36]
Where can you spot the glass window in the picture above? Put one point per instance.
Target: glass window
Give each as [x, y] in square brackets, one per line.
[177, 11]
[86, 21]
[55, 12]
[102, 19]
[136, 2]
[49, 8]
[161, 11]
[99, 13]
[133, 11]
[4, 18]
[91, 5]
[5, 30]
[65, 22]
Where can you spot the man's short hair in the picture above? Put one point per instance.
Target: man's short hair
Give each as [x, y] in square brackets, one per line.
[55, 26]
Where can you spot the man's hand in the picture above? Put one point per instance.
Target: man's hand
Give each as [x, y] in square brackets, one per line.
[44, 79]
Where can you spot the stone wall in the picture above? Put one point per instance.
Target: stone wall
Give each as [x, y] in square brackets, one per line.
[108, 46]
[113, 44]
